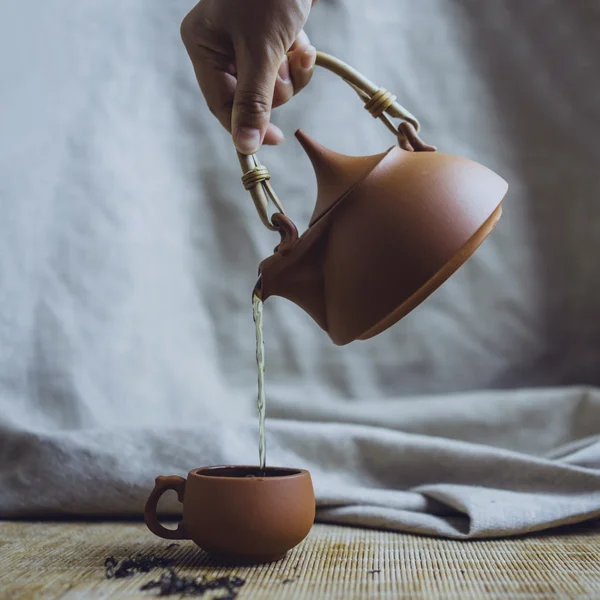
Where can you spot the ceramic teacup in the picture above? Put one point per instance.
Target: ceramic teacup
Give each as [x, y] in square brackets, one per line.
[239, 513]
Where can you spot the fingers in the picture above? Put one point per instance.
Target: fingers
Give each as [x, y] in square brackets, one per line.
[257, 72]
[302, 63]
[274, 136]
[248, 95]
[257, 77]
[301, 40]
[284, 88]
[295, 72]
[215, 71]
[218, 88]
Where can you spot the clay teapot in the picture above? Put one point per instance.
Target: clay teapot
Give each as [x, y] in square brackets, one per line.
[387, 230]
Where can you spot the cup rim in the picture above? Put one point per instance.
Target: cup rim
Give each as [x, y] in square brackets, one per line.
[203, 473]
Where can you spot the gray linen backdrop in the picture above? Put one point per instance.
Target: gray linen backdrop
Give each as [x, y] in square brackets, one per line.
[128, 251]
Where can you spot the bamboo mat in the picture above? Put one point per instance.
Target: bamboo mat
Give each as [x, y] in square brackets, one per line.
[66, 560]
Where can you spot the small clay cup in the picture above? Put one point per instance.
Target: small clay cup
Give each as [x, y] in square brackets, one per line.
[239, 514]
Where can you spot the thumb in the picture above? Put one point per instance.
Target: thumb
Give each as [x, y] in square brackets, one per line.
[256, 77]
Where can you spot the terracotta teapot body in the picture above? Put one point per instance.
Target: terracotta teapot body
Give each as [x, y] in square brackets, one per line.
[387, 231]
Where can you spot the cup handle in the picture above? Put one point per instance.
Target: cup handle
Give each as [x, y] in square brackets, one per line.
[161, 485]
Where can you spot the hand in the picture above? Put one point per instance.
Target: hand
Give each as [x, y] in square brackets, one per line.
[238, 49]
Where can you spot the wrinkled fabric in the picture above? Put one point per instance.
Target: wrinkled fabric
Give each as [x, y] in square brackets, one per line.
[129, 250]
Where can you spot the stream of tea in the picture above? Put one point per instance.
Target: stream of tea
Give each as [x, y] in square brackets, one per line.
[257, 314]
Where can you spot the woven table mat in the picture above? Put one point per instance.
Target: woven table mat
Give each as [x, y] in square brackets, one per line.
[66, 560]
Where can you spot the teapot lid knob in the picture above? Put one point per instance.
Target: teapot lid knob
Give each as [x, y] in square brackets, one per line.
[336, 173]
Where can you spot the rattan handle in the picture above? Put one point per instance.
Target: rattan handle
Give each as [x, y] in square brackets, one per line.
[380, 103]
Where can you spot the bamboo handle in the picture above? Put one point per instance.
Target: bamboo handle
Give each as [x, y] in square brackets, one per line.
[380, 103]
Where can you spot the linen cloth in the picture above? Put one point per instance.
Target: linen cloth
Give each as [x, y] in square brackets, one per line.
[129, 249]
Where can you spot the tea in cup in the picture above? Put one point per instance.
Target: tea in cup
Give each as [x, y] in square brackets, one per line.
[241, 514]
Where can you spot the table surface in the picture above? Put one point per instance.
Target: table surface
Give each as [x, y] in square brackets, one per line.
[66, 560]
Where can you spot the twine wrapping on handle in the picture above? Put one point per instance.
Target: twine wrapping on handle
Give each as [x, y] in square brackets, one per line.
[380, 103]
[256, 180]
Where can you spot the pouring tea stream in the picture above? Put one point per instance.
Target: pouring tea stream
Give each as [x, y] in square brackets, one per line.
[387, 230]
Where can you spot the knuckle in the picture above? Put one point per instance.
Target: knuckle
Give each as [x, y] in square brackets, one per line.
[194, 27]
[220, 108]
[253, 104]
[186, 29]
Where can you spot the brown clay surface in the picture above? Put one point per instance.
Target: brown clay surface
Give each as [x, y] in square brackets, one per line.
[439, 278]
[387, 230]
[236, 513]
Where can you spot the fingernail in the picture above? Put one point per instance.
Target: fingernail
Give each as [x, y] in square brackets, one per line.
[247, 140]
[284, 70]
[308, 58]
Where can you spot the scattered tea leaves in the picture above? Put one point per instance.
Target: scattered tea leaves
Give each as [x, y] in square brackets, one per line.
[138, 563]
[170, 583]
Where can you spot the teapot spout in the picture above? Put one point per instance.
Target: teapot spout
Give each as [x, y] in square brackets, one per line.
[297, 279]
